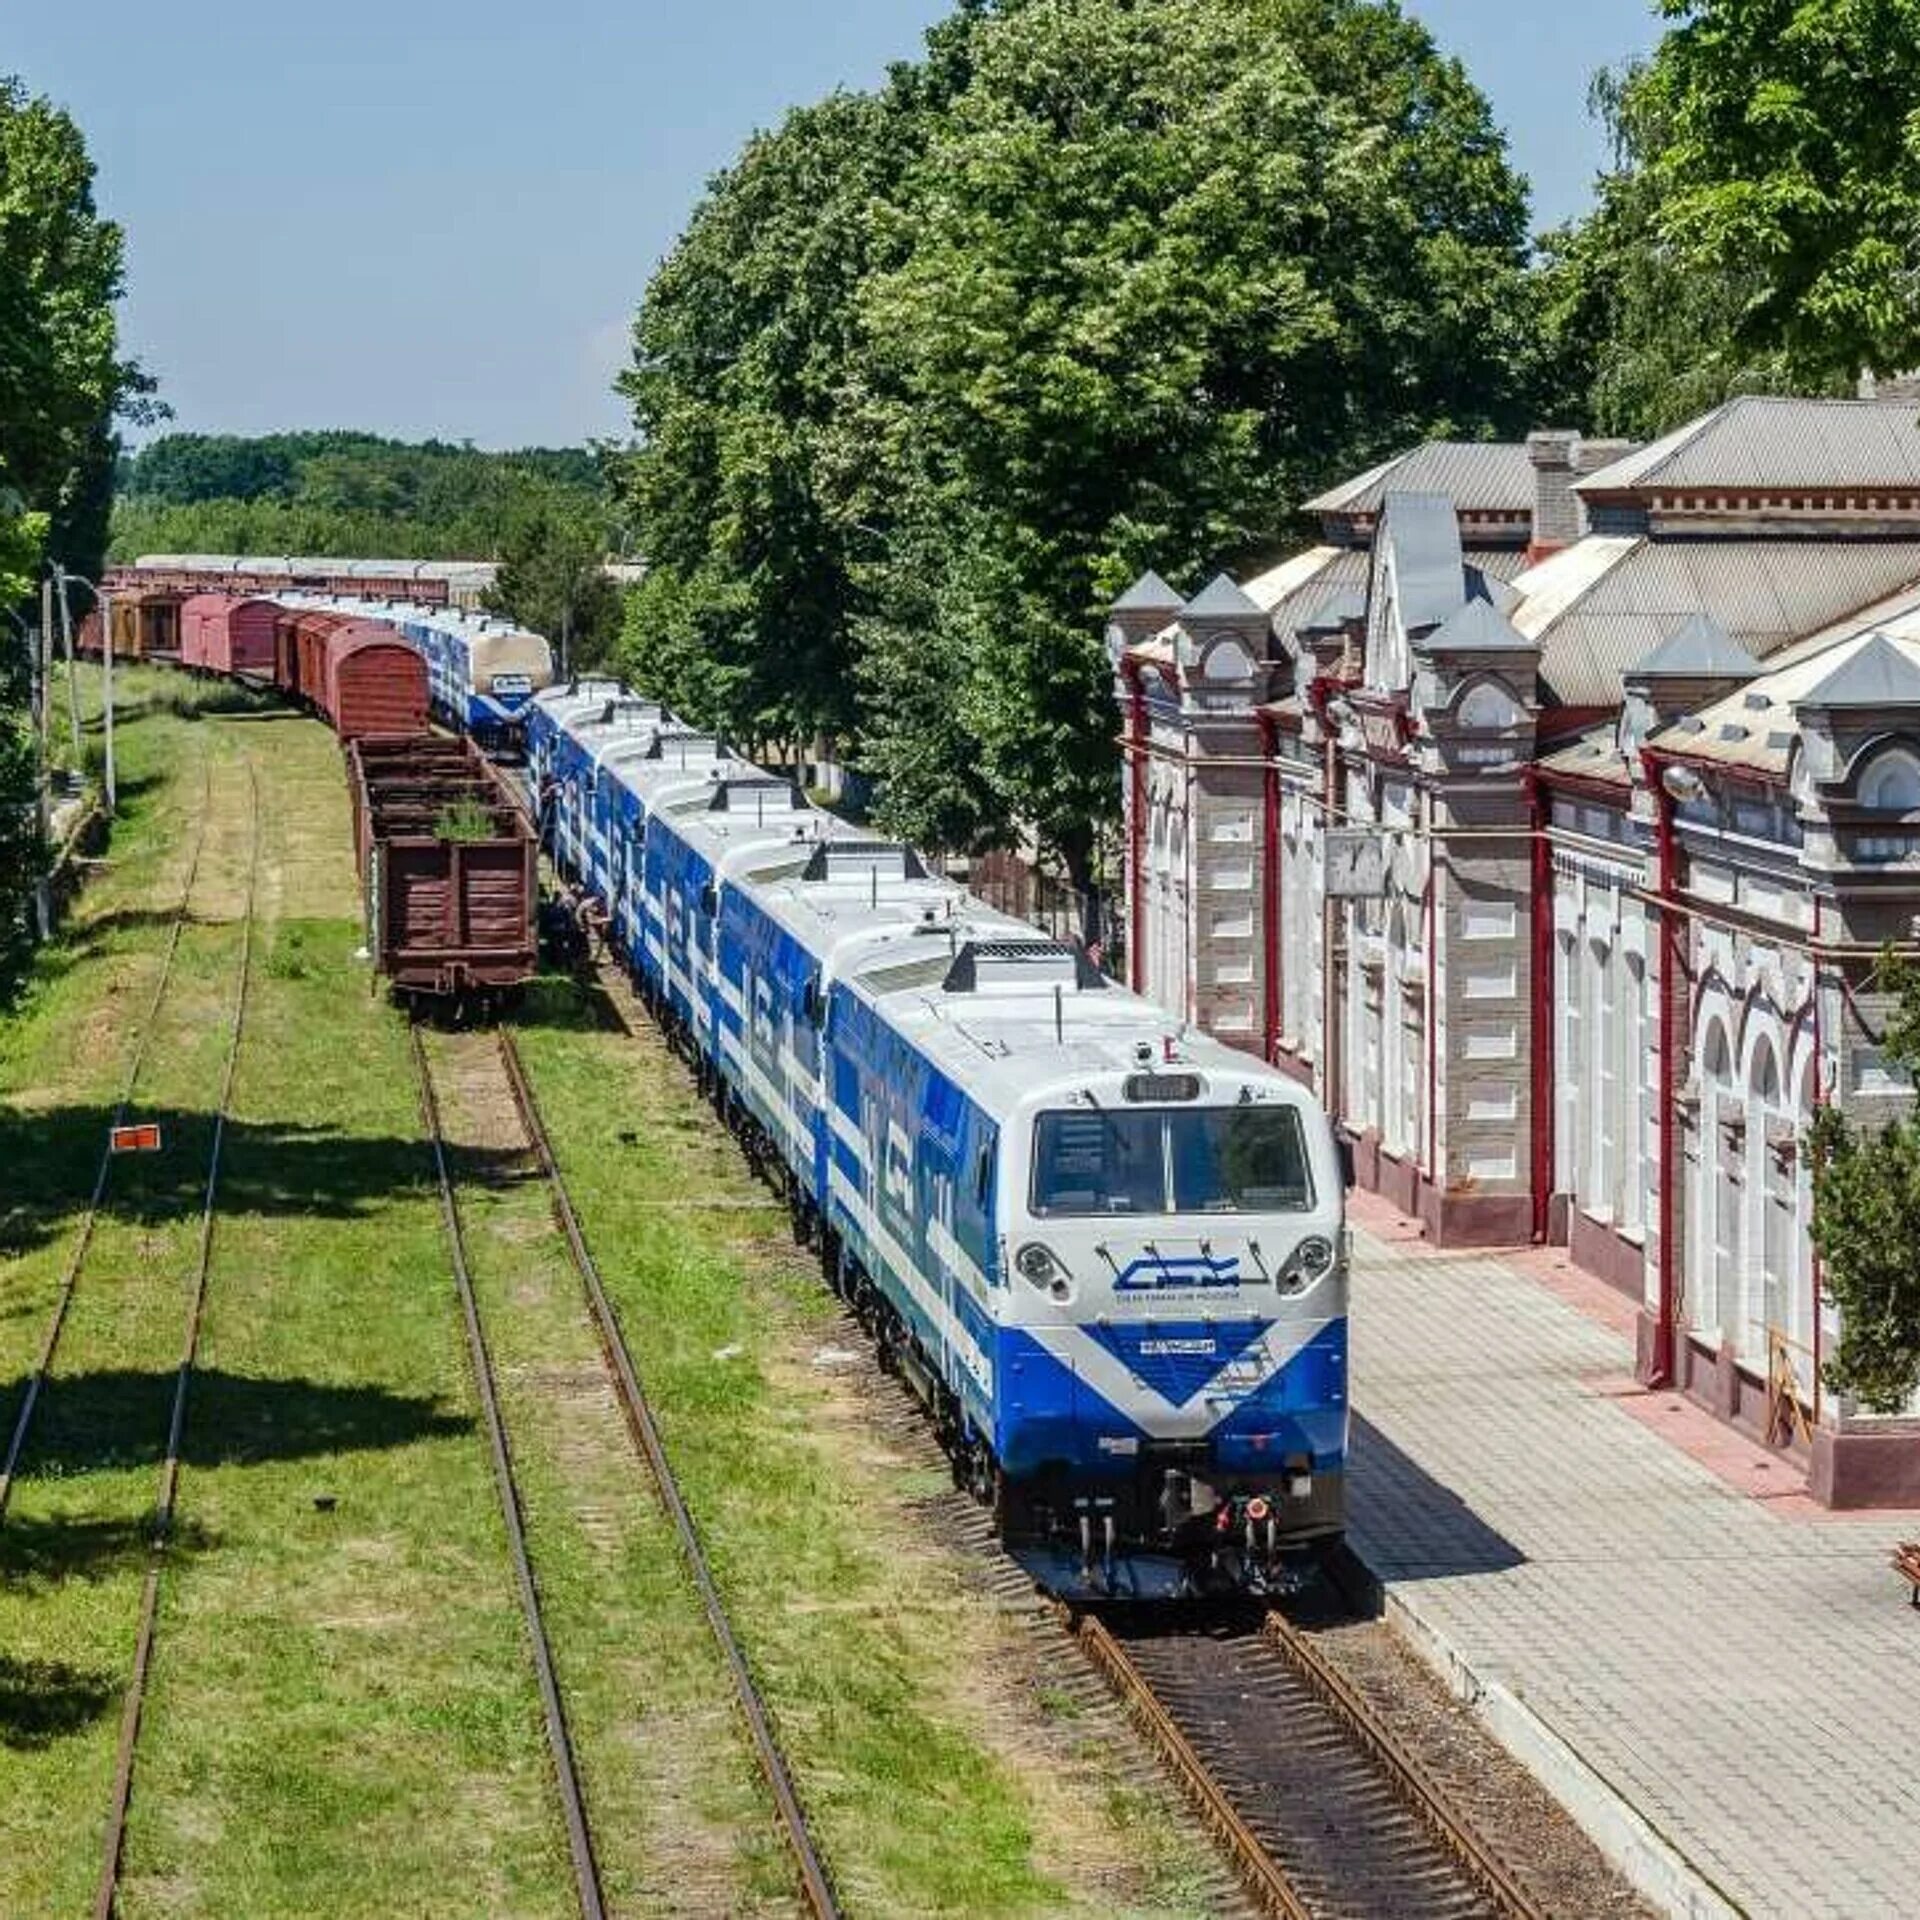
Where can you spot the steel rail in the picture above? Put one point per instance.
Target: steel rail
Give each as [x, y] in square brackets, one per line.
[1258, 1869]
[167, 1501]
[573, 1806]
[77, 1259]
[645, 1430]
[1409, 1776]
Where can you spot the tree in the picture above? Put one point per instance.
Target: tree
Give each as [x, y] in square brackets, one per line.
[1163, 268]
[21, 854]
[553, 580]
[1866, 1223]
[1781, 154]
[62, 380]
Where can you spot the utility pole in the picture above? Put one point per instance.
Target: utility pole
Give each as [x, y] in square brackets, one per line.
[104, 601]
[73, 684]
[42, 789]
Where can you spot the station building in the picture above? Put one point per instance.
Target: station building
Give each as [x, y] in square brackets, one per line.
[1548, 817]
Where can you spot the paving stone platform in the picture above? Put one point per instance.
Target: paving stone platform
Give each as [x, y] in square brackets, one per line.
[1720, 1678]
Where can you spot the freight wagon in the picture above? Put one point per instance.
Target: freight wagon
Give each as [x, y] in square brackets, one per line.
[358, 675]
[146, 623]
[219, 634]
[447, 863]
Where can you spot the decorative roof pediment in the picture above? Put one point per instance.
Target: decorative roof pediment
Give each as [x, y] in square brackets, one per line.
[1478, 627]
[1221, 600]
[1148, 594]
[1698, 649]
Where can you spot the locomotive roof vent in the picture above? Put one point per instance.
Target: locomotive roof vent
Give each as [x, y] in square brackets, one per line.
[846, 859]
[758, 796]
[1025, 964]
[668, 746]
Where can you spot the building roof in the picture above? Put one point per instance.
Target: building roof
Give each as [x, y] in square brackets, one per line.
[1605, 604]
[1478, 627]
[1148, 594]
[1594, 755]
[1420, 536]
[1875, 674]
[1220, 599]
[1698, 649]
[1477, 476]
[1772, 441]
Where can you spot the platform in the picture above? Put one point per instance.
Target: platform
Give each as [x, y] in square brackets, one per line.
[1719, 1677]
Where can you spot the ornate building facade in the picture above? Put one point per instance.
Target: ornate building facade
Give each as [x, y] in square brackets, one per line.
[1549, 818]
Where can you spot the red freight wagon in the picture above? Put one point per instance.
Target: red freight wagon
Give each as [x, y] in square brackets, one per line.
[447, 861]
[375, 682]
[221, 634]
[312, 634]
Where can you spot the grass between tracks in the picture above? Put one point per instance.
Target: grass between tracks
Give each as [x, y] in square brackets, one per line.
[940, 1774]
[342, 1719]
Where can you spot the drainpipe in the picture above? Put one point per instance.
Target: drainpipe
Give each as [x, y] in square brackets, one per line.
[1432, 1022]
[1136, 825]
[1815, 1274]
[1270, 781]
[1544, 1037]
[1661, 1361]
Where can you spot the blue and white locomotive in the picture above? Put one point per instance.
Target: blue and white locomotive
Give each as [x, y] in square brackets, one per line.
[1109, 1255]
[482, 670]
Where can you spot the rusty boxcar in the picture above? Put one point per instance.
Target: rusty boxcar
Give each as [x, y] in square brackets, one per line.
[222, 634]
[447, 862]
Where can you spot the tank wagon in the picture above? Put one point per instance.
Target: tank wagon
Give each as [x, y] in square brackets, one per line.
[447, 863]
[1109, 1255]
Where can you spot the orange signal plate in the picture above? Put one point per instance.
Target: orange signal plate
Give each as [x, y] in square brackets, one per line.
[143, 1138]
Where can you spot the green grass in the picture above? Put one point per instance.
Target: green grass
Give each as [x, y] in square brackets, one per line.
[342, 1717]
[882, 1666]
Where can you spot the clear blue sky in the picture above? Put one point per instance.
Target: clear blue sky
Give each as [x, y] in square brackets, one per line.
[425, 216]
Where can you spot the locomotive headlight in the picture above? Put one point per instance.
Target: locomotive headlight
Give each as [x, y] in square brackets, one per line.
[1038, 1266]
[1312, 1260]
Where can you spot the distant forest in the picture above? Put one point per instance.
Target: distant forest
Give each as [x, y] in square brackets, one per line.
[345, 493]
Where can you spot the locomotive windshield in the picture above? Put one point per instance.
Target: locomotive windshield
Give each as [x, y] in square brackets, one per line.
[1160, 1161]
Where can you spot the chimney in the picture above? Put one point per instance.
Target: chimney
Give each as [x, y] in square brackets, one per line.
[1556, 513]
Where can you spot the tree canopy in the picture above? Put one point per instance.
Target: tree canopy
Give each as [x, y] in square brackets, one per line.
[1097, 283]
[344, 493]
[553, 581]
[62, 383]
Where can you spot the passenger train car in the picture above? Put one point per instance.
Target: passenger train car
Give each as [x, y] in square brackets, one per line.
[1108, 1254]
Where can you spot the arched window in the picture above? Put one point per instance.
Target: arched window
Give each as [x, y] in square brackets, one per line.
[1767, 1227]
[1229, 661]
[1891, 784]
[1489, 706]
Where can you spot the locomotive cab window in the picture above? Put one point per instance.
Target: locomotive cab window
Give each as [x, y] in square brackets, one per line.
[1161, 1161]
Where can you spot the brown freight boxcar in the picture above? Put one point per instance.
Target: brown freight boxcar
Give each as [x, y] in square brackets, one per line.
[375, 682]
[222, 634]
[447, 861]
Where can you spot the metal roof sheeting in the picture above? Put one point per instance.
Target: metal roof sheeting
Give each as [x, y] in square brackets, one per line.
[1478, 476]
[1771, 441]
[1631, 597]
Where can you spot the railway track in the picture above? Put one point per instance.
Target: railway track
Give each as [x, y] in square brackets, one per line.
[1318, 1805]
[166, 1501]
[624, 1380]
[103, 1173]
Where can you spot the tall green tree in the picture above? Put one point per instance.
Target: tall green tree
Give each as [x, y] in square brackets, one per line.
[1096, 283]
[1789, 159]
[1164, 267]
[62, 378]
[553, 580]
